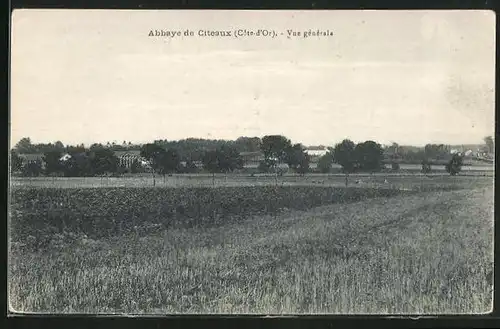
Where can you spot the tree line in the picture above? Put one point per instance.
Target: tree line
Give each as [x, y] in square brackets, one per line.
[368, 156]
[163, 158]
[220, 156]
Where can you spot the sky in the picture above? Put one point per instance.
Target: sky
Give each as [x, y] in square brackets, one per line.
[85, 76]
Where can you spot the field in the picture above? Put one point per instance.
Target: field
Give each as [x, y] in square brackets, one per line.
[396, 180]
[415, 244]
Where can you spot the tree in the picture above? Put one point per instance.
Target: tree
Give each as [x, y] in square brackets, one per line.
[435, 151]
[325, 162]
[344, 155]
[394, 148]
[52, 162]
[247, 144]
[103, 160]
[96, 146]
[59, 146]
[490, 144]
[153, 153]
[135, 167]
[16, 162]
[264, 167]
[303, 166]
[25, 146]
[169, 162]
[222, 160]
[78, 165]
[32, 169]
[275, 147]
[455, 165]
[394, 152]
[426, 166]
[78, 149]
[190, 167]
[229, 158]
[297, 158]
[211, 163]
[369, 156]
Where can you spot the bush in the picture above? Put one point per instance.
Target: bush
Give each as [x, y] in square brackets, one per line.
[455, 165]
[32, 169]
[264, 167]
[325, 163]
[136, 167]
[426, 167]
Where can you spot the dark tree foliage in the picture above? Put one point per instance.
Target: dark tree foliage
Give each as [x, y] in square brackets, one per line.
[222, 160]
[455, 165]
[135, 167]
[426, 166]
[303, 166]
[25, 146]
[264, 167]
[192, 148]
[297, 158]
[78, 149]
[16, 162]
[344, 155]
[103, 160]
[78, 165]
[169, 162]
[410, 156]
[96, 146]
[490, 144]
[52, 161]
[211, 161]
[229, 159]
[369, 156]
[247, 144]
[59, 146]
[32, 169]
[275, 147]
[436, 151]
[155, 154]
[325, 163]
[190, 167]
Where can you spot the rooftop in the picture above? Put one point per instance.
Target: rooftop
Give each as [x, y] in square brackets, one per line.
[130, 152]
[32, 156]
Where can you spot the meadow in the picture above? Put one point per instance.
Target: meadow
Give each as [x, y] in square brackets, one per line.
[395, 180]
[419, 244]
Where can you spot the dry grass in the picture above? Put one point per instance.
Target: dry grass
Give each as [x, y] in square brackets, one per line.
[426, 253]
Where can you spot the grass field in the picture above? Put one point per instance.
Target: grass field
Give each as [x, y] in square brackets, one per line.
[425, 250]
[206, 180]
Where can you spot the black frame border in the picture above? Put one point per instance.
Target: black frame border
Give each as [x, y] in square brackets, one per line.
[180, 321]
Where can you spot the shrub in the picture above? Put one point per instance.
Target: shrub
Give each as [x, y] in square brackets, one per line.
[264, 167]
[426, 167]
[455, 165]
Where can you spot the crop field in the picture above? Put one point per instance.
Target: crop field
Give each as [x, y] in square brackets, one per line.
[419, 244]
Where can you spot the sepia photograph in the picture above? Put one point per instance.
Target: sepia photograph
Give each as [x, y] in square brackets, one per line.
[251, 162]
